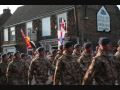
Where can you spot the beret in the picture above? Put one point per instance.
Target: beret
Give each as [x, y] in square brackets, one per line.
[68, 44]
[87, 45]
[40, 49]
[4, 55]
[76, 45]
[104, 41]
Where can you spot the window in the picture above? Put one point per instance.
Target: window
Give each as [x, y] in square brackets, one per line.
[29, 29]
[6, 34]
[103, 20]
[46, 28]
[12, 34]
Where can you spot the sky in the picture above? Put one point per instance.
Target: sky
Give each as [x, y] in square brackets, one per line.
[11, 7]
[14, 7]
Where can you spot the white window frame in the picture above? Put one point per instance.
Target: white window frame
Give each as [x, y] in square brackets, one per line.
[29, 26]
[6, 34]
[46, 26]
[12, 30]
[103, 21]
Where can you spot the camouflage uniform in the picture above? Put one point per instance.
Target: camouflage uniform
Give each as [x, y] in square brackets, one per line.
[67, 70]
[39, 69]
[102, 69]
[76, 54]
[3, 68]
[117, 55]
[17, 73]
[84, 62]
[59, 54]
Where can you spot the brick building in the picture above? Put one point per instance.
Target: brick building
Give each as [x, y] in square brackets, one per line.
[41, 22]
[3, 18]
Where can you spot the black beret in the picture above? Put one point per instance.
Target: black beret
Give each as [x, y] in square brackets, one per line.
[87, 45]
[68, 44]
[104, 41]
[40, 49]
[76, 45]
[4, 55]
[118, 42]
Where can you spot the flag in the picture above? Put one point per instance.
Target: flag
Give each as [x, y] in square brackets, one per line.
[27, 39]
[61, 36]
[62, 25]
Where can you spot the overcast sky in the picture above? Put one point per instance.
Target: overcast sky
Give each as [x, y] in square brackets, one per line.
[11, 7]
[14, 7]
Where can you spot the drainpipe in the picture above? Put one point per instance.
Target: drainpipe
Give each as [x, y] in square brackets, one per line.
[84, 22]
[76, 22]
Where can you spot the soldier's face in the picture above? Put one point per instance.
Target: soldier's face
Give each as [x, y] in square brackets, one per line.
[6, 58]
[109, 47]
[70, 49]
[78, 48]
[42, 53]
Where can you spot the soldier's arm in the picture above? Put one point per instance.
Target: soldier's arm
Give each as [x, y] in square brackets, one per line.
[8, 72]
[26, 68]
[88, 78]
[80, 61]
[30, 72]
[57, 73]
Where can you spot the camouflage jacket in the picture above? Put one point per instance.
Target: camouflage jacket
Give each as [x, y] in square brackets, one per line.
[39, 69]
[67, 71]
[76, 54]
[117, 55]
[59, 54]
[17, 73]
[3, 69]
[102, 69]
[84, 61]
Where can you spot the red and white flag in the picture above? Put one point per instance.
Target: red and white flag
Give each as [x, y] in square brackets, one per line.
[62, 25]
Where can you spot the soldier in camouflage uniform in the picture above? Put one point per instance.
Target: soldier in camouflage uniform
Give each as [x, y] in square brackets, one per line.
[0, 57]
[3, 69]
[67, 69]
[51, 57]
[16, 71]
[59, 54]
[117, 55]
[85, 58]
[77, 51]
[39, 69]
[103, 66]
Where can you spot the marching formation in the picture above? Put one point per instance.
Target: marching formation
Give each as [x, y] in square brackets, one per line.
[69, 65]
